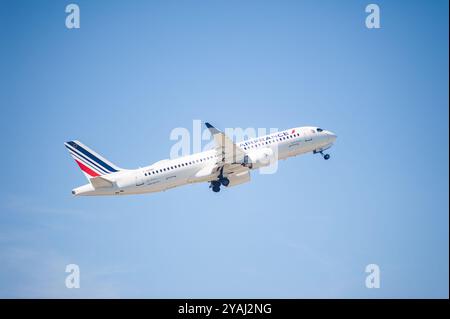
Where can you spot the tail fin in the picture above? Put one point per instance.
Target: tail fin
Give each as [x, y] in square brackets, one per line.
[91, 163]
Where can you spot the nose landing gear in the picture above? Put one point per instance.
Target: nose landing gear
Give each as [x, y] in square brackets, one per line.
[325, 156]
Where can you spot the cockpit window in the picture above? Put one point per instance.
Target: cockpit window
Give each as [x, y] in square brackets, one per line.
[319, 129]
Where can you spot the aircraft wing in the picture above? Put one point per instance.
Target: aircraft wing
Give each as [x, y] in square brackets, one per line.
[231, 153]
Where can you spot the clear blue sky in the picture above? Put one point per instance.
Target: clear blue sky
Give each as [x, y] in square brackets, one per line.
[137, 69]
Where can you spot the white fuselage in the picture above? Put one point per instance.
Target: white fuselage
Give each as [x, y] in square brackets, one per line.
[199, 167]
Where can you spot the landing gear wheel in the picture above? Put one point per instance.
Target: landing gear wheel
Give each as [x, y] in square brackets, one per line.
[225, 181]
[216, 189]
[215, 184]
[326, 157]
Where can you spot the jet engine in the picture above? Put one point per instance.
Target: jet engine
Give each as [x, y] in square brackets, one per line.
[259, 158]
[239, 178]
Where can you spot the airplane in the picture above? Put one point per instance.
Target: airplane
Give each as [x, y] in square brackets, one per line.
[228, 164]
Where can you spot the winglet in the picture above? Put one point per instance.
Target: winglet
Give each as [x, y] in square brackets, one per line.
[212, 129]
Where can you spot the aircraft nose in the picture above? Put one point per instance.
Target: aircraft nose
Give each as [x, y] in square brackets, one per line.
[331, 136]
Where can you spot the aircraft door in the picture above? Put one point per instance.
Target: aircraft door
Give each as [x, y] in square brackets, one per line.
[307, 137]
[139, 179]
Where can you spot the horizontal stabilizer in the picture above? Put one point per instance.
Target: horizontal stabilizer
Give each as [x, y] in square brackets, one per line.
[101, 182]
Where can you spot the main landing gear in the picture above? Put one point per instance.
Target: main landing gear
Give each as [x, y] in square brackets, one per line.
[325, 156]
[215, 185]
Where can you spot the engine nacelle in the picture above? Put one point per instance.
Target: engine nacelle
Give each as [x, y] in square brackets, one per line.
[239, 178]
[259, 158]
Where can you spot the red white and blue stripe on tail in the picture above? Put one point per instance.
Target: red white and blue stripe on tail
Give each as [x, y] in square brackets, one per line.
[91, 163]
